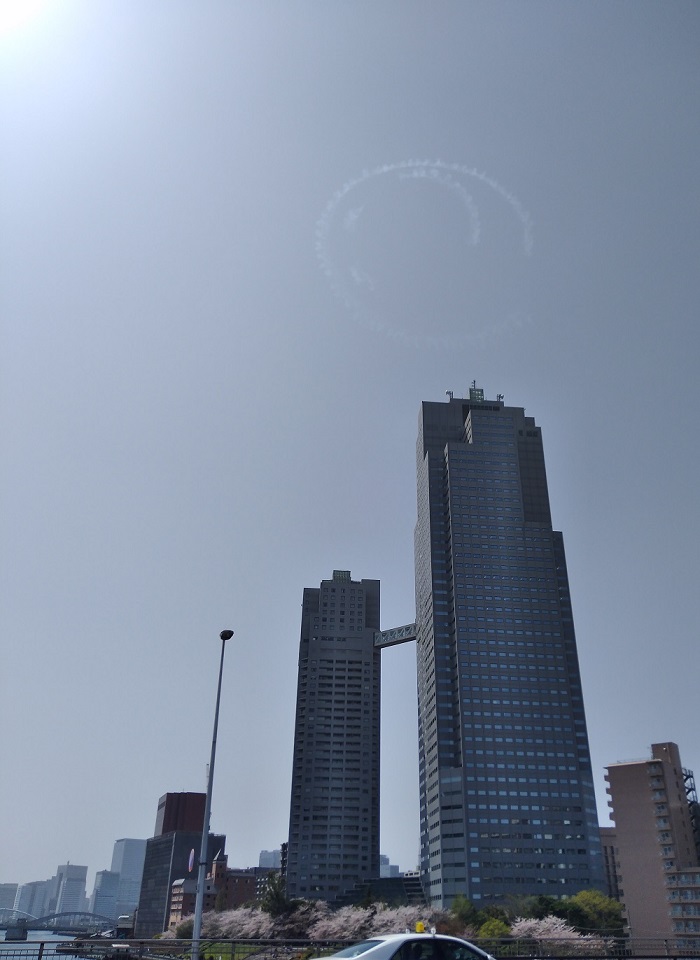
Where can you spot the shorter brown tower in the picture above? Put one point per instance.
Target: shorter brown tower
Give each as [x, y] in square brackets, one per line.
[653, 805]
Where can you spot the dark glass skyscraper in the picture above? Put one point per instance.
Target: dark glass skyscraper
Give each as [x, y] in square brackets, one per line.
[177, 835]
[507, 802]
[334, 811]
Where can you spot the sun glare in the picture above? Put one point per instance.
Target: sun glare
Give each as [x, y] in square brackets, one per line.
[18, 15]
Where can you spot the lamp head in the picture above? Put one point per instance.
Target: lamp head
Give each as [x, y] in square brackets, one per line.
[226, 634]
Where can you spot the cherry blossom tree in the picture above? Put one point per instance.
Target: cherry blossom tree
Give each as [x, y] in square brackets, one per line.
[555, 937]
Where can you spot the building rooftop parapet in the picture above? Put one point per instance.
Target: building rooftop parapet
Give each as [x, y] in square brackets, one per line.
[622, 763]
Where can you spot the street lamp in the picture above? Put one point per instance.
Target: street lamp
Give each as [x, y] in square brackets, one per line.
[199, 903]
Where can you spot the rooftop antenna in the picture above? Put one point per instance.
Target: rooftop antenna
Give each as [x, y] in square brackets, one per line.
[449, 393]
[499, 396]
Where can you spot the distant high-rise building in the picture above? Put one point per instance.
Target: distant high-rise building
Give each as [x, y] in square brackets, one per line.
[388, 869]
[654, 806]
[127, 860]
[31, 898]
[506, 791]
[179, 811]
[334, 811]
[103, 901]
[270, 859]
[68, 894]
[8, 892]
[169, 856]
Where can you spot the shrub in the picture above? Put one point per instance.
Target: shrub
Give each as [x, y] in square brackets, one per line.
[185, 929]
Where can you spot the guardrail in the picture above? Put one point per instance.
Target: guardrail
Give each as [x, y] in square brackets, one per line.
[507, 949]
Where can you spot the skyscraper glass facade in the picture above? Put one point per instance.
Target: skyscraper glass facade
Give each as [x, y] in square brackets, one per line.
[127, 860]
[506, 791]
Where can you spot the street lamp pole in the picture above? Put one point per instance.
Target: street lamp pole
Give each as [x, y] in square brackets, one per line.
[201, 873]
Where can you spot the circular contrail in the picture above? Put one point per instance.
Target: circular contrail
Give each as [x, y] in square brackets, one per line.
[344, 212]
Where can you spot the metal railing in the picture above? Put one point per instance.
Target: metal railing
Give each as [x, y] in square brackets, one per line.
[505, 949]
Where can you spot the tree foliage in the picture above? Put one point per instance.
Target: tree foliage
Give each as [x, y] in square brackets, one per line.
[245, 923]
[348, 923]
[579, 920]
[553, 936]
[465, 912]
[275, 900]
[589, 911]
[494, 929]
[220, 902]
[184, 930]
[601, 914]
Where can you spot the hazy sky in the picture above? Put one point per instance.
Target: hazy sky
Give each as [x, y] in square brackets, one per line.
[240, 243]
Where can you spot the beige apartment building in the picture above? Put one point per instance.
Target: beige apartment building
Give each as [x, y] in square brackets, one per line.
[655, 845]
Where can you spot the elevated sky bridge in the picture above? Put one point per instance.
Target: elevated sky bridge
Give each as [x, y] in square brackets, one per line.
[389, 638]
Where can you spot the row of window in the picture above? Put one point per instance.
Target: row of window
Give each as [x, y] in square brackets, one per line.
[500, 645]
[466, 491]
[516, 807]
[460, 481]
[343, 590]
[540, 880]
[513, 688]
[464, 634]
[523, 865]
[347, 848]
[542, 780]
[336, 709]
[515, 572]
[524, 532]
[349, 627]
[553, 704]
[522, 740]
[527, 618]
[510, 553]
[517, 753]
[517, 836]
[515, 821]
[476, 472]
[488, 535]
[563, 794]
[328, 663]
[520, 664]
[499, 581]
[684, 880]
[475, 460]
[521, 617]
[507, 598]
[533, 851]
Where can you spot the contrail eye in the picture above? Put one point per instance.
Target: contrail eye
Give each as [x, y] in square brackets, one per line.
[395, 252]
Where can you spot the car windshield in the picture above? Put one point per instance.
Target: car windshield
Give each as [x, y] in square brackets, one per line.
[357, 948]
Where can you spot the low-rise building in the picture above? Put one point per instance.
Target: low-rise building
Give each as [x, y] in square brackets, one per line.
[657, 856]
[224, 889]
